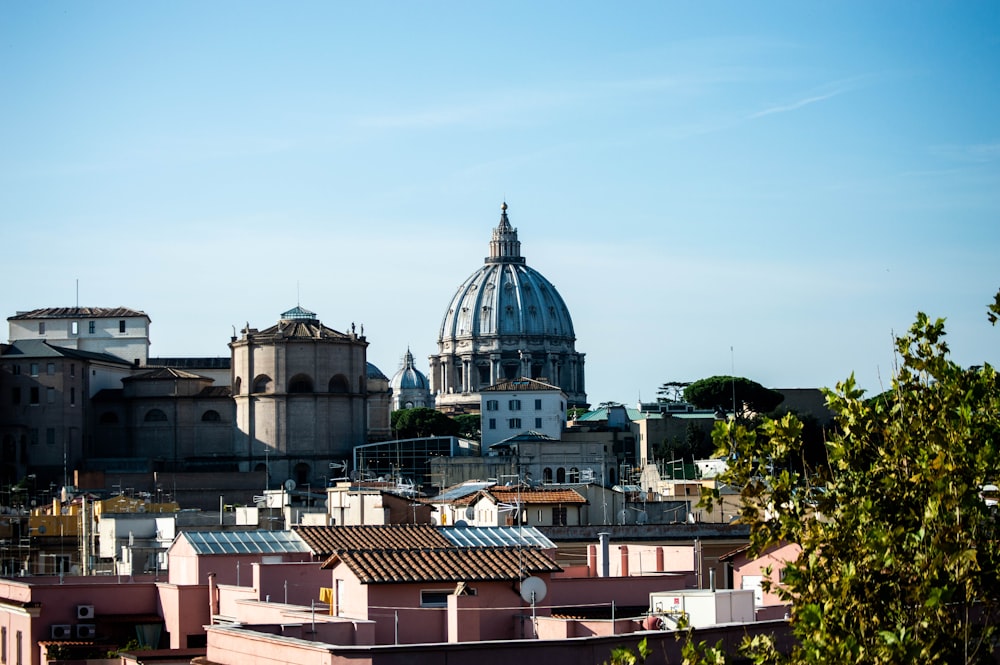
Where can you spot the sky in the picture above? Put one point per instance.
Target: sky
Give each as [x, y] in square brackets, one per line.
[768, 189]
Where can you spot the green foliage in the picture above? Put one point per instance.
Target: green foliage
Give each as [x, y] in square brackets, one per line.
[720, 392]
[625, 655]
[695, 444]
[899, 553]
[573, 414]
[672, 391]
[468, 425]
[421, 421]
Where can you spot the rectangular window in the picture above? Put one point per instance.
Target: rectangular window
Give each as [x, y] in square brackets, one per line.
[559, 516]
[121, 326]
[538, 405]
[74, 328]
[33, 395]
[50, 395]
[41, 327]
[33, 436]
[50, 368]
[72, 369]
[91, 327]
[493, 423]
[72, 396]
[15, 396]
[17, 370]
[538, 423]
[50, 436]
[34, 369]
[3, 644]
[17, 648]
[492, 405]
[514, 405]
[435, 598]
[514, 423]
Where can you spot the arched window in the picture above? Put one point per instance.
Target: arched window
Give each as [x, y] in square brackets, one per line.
[547, 475]
[109, 418]
[262, 384]
[238, 385]
[574, 474]
[211, 416]
[155, 416]
[339, 384]
[300, 383]
[560, 475]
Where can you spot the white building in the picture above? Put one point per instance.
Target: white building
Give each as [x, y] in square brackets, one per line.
[521, 405]
[117, 331]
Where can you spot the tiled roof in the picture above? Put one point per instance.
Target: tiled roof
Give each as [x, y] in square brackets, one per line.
[519, 385]
[163, 373]
[40, 348]
[462, 489]
[325, 540]
[77, 313]
[524, 495]
[451, 564]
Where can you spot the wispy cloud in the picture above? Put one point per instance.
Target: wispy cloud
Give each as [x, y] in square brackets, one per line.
[976, 153]
[833, 90]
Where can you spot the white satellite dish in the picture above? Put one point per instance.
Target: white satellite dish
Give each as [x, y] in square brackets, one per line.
[623, 517]
[470, 513]
[289, 484]
[533, 590]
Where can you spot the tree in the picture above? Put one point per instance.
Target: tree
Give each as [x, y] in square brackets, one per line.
[469, 425]
[724, 392]
[900, 554]
[672, 391]
[421, 421]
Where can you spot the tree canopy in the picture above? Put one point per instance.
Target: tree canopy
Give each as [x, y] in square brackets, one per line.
[900, 554]
[720, 392]
[421, 421]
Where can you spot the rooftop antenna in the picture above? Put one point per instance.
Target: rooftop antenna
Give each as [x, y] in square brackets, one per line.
[298, 295]
[78, 293]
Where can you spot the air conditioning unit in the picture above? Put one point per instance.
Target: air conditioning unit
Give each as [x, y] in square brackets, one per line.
[84, 612]
[62, 631]
[85, 631]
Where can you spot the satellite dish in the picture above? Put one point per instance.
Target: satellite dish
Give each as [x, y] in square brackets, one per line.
[470, 513]
[642, 518]
[623, 517]
[289, 484]
[533, 590]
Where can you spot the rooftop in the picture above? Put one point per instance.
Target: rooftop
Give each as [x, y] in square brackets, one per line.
[244, 542]
[453, 564]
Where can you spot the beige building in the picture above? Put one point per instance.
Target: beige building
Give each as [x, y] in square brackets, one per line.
[301, 395]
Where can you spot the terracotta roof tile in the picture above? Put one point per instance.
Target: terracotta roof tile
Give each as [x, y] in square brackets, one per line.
[325, 540]
[77, 312]
[449, 564]
[532, 495]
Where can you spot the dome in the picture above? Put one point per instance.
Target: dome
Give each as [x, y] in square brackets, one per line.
[375, 373]
[505, 321]
[408, 377]
[506, 297]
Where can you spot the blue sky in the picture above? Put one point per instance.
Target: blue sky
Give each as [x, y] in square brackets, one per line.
[768, 187]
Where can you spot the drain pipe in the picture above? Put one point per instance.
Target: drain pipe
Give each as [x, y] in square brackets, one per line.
[605, 554]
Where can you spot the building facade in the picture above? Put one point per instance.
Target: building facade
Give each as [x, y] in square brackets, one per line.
[301, 393]
[505, 321]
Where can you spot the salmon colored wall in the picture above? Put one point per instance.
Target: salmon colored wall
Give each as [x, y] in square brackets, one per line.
[185, 611]
[776, 559]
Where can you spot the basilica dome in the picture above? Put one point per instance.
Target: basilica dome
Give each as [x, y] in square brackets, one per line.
[504, 322]
[410, 388]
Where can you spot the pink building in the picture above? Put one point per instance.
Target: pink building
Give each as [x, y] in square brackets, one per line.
[751, 573]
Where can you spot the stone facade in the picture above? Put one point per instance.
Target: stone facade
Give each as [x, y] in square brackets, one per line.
[505, 321]
[301, 395]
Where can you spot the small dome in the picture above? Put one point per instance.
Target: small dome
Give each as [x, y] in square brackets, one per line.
[375, 373]
[409, 377]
